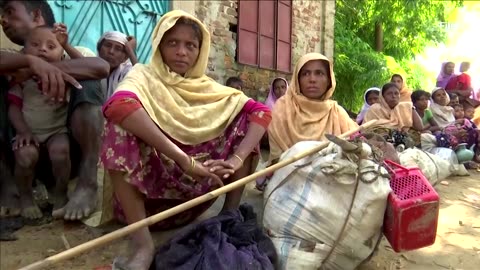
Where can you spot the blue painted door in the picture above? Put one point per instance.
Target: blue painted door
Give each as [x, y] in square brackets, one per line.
[87, 20]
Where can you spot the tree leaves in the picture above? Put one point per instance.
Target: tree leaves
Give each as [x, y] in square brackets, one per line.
[408, 27]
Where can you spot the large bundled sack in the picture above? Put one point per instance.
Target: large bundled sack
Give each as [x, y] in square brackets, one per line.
[434, 167]
[326, 211]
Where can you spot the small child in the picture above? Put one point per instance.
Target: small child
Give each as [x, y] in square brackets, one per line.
[469, 111]
[472, 132]
[420, 100]
[461, 120]
[40, 124]
[234, 82]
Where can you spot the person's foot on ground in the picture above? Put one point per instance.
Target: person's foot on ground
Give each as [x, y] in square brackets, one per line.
[80, 205]
[140, 260]
[9, 202]
[30, 210]
[6, 211]
[59, 201]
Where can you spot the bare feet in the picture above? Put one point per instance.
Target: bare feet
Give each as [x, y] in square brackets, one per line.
[142, 248]
[30, 210]
[141, 260]
[6, 211]
[81, 204]
[59, 201]
[9, 202]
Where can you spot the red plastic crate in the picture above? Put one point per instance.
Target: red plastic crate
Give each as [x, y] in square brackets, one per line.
[411, 217]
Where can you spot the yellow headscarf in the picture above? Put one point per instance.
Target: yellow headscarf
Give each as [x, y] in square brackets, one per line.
[405, 95]
[297, 118]
[191, 109]
[476, 116]
[398, 117]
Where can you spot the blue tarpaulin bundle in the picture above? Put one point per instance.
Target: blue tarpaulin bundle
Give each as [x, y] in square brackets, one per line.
[229, 241]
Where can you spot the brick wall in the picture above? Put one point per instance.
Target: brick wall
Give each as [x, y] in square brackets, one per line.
[312, 32]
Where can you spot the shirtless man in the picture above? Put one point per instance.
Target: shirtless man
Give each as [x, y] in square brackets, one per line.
[85, 119]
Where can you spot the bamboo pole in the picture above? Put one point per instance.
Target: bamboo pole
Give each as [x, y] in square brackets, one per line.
[103, 240]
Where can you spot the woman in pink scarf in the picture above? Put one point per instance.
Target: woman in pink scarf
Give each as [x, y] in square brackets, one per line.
[446, 73]
[277, 89]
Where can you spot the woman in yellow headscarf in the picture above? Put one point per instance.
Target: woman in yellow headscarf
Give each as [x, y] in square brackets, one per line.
[174, 134]
[405, 93]
[306, 111]
[400, 119]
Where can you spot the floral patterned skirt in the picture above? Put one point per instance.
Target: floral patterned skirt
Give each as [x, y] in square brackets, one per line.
[159, 178]
[462, 135]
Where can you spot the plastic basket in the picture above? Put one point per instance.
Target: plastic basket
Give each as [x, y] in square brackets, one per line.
[411, 217]
[407, 183]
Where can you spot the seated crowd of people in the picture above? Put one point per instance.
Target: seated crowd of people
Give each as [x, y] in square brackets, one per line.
[449, 115]
[165, 132]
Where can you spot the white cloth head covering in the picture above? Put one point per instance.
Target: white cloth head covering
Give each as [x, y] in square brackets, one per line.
[365, 107]
[443, 115]
[109, 84]
[113, 36]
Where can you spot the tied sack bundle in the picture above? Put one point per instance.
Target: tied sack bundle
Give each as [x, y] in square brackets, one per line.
[308, 202]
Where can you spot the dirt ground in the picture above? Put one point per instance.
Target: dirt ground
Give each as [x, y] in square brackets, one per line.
[457, 245]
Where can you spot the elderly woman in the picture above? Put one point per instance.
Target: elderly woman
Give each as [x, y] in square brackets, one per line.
[306, 111]
[118, 50]
[454, 129]
[175, 134]
[402, 124]
[446, 73]
[441, 108]
[405, 93]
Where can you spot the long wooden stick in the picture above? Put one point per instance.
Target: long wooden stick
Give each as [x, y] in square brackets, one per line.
[103, 240]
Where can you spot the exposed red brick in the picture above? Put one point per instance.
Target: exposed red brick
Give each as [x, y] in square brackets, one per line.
[306, 37]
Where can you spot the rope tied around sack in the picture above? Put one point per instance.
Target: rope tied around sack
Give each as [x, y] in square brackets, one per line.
[358, 179]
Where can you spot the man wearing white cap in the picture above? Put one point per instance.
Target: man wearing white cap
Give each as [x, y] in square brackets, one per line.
[118, 50]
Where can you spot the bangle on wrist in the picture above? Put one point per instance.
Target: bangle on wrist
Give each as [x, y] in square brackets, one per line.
[193, 163]
[238, 157]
